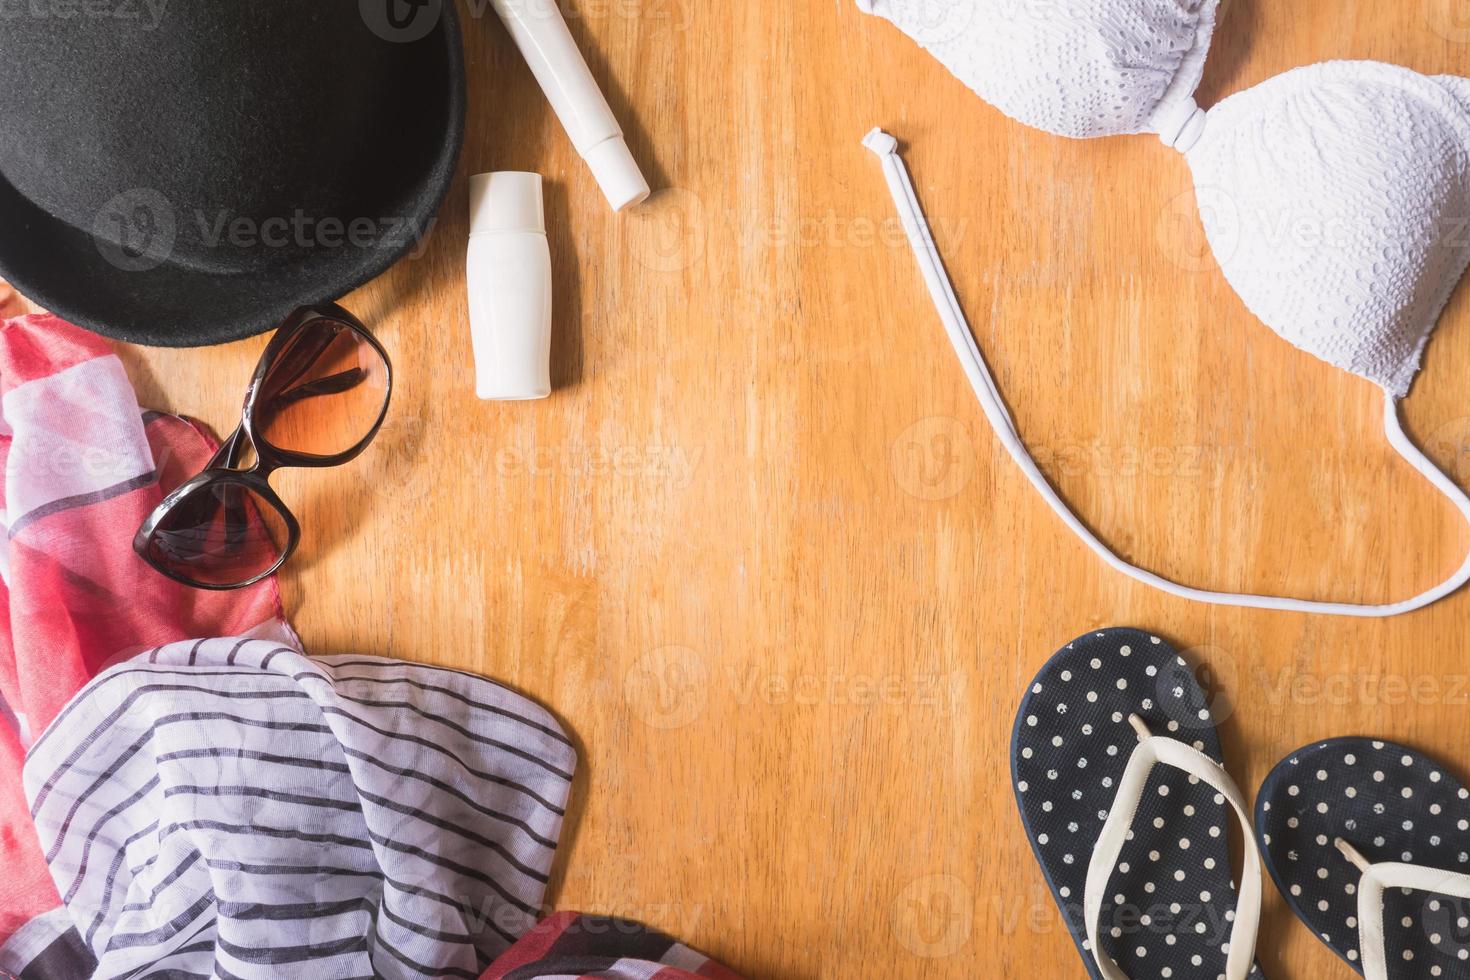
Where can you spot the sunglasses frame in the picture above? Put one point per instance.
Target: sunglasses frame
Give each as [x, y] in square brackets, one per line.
[224, 469]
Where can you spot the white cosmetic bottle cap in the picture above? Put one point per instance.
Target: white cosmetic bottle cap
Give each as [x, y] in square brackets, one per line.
[506, 201]
[508, 275]
[617, 173]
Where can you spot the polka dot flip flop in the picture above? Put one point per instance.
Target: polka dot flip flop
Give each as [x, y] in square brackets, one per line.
[1370, 844]
[1117, 772]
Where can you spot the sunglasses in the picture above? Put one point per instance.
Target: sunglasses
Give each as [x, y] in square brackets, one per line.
[317, 398]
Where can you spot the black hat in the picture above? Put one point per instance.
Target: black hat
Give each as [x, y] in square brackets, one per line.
[186, 172]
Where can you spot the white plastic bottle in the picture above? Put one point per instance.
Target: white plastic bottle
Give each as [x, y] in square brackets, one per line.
[540, 31]
[508, 273]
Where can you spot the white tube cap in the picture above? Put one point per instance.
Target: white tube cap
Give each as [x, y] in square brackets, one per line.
[507, 200]
[617, 172]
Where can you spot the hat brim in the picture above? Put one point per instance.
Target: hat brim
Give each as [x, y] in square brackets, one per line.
[68, 271]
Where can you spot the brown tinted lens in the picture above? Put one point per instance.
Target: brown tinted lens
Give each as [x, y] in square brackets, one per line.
[323, 393]
[221, 534]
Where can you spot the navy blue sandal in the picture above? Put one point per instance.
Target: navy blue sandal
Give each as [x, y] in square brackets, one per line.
[1117, 772]
[1370, 843]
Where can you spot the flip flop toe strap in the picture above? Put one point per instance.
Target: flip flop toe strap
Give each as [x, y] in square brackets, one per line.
[1376, 879]
[1153, 751]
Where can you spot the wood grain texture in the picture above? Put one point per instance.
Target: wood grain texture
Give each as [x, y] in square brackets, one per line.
[760, 550]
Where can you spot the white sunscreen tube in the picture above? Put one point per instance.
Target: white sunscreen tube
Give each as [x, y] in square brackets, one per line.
[508, 272]
[539, 30]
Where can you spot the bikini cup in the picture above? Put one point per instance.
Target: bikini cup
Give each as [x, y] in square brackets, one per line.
[1076, 68]
[1336, 197]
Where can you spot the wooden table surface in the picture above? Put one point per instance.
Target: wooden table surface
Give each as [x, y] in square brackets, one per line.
[760, 550]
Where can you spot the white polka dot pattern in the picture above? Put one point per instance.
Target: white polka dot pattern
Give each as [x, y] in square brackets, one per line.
[1172, 898]
[1336, 199]
[1393, 805]
[1079, 68]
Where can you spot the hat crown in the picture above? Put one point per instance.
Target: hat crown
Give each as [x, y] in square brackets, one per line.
[234, 122]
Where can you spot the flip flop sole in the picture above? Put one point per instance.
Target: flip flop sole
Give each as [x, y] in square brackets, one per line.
[1392, 804]
[1170, 904]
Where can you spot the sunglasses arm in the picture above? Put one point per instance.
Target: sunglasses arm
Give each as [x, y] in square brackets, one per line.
[230, 451]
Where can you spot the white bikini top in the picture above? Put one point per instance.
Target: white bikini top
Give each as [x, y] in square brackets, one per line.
[1336, 198]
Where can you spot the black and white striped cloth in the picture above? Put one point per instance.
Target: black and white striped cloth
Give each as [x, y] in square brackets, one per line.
[230, 808]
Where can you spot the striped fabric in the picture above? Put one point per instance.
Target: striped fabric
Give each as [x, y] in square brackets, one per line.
[568, 946]
[82, 466]
[229, 808]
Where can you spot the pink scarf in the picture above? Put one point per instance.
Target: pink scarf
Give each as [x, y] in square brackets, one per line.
[82, 466]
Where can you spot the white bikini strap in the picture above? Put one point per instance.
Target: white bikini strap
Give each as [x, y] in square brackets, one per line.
[1152, 751]
[1391, 874]
[973, 362]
